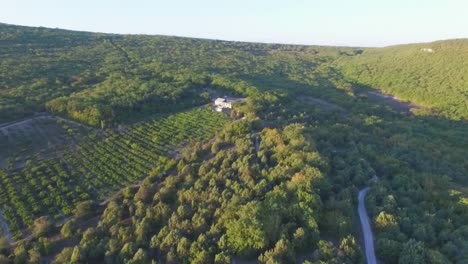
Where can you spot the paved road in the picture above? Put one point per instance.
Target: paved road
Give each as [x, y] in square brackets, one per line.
[366, 228]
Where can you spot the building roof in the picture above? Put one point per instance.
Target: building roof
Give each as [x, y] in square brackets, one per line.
[220, 100]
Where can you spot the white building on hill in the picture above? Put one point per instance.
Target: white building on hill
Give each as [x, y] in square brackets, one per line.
[221, 103]
[427, 50]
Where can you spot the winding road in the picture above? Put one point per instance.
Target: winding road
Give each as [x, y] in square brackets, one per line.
[366, 228]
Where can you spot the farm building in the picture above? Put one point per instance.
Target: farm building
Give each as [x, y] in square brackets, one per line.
[221, 103]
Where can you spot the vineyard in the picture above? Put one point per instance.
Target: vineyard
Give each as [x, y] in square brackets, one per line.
[97, 166]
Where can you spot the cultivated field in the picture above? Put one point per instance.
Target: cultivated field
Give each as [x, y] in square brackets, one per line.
[42, 135]
[96, 166]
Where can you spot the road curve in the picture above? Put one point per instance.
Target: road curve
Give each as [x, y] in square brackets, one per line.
[366, 228]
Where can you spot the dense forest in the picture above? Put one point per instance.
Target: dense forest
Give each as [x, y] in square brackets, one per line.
[276, 181]
[432, 75]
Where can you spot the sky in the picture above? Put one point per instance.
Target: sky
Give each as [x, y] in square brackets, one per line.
[312, 22]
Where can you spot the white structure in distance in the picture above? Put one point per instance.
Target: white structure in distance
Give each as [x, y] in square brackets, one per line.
[222, 103]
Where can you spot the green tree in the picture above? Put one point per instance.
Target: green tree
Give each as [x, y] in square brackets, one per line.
[326, 250]
[34, 256]
[385, 221]
[4, 245]
[246, 234]
[42, 226]
[388, 250]
[281, 253]
[413, 252]
[222, 258]
[76, 255]
[68, 228]
[140, 257]
[20, 253]
[64, 256]
[351, 249]
[85, 209]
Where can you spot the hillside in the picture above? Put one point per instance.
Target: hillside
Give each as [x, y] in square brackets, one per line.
[112, 152]
[77, 73]
[430, 74]
[104, 77]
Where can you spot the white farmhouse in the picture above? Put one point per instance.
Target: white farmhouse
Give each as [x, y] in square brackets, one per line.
[221, 103]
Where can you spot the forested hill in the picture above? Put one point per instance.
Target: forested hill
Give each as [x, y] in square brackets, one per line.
[101, 79]
[93, 77]
[430, 74]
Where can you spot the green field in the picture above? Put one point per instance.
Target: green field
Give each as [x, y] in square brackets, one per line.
[41, 135]
[98, 166]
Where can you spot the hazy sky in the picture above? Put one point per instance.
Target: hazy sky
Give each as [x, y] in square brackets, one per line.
[325, 22]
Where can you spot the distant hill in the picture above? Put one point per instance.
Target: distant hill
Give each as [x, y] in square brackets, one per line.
[431, 74]
[96, 77]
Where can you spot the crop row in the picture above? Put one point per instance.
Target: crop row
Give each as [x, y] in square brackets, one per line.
[97, 166]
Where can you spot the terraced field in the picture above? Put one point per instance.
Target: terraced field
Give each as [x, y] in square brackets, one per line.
[97, 166]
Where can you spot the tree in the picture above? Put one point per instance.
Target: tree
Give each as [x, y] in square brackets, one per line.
[246, 234]
[326, 250]
[424, 232]
[20, 253]
[140, 257]
[281, 253]
[351, 249]
[205, 96]
[388, 250]
[64, 256]
[435, 257]
[144, 193]
[201, 256]
[34, 256]
[183, 247]
[128, 251]
[68, 228]
[44, 246]
[85, 209]
[76, 256]
[336, 223]
[413, 253]
[215, 147]
[299, 241]
[42, 226]
[4, 245]
[222, 258]
[384, 221]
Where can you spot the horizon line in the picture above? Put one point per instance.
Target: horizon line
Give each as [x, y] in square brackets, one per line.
[230, 40]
